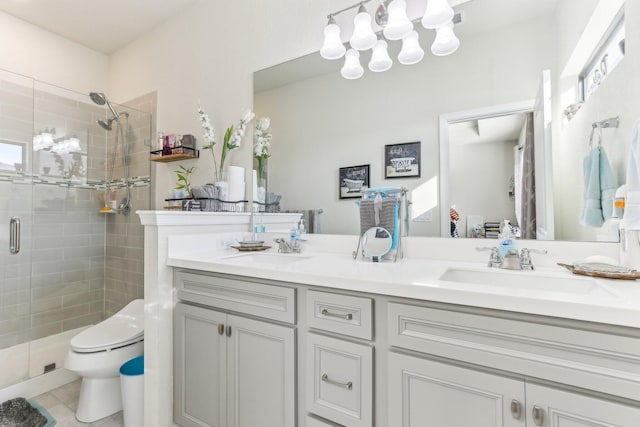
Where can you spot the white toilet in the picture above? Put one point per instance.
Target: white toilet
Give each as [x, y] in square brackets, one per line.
[97, 353]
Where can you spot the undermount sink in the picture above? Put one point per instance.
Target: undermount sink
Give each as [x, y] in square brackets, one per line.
[271, 259]
[522, 280]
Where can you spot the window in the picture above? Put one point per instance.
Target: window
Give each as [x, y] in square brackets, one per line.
[12, 156]
[609, 54]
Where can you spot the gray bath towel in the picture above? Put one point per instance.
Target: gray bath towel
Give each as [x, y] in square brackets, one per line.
[379, 212]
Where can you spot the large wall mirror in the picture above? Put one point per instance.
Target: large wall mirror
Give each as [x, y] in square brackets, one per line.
[322, 122]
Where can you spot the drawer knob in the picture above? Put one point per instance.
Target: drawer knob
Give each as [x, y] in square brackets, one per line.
[220, 329]
[538, 415]
[516, 409]
[326, 312]
[327, 380]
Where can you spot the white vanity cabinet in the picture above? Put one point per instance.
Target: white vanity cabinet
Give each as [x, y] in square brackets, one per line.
[231, 370]
[506, 358]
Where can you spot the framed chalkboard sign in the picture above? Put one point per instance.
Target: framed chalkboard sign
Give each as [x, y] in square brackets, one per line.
[402, 160]
[352, 181]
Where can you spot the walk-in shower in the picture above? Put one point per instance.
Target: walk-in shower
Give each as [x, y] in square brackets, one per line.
[75, 265]
[125, 204]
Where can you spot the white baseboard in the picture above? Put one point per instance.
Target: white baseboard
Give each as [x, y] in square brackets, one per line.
[38, 385]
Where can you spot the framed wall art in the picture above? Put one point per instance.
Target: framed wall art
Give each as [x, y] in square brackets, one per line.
[402, 160]
[352, 181]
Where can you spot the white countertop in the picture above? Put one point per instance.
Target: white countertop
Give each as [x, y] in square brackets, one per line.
[558, 293]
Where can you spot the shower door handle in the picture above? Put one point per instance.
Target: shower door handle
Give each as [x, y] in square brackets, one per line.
[14, 235]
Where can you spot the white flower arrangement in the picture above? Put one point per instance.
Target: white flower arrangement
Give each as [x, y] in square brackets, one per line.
[232, 138]
[262, 143]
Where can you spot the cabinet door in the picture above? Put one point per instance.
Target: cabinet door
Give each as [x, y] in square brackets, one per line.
[261, 374]
[427, 393]
[549, 407]
[199, 367]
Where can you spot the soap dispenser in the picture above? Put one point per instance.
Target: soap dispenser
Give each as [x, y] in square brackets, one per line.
[507, 239]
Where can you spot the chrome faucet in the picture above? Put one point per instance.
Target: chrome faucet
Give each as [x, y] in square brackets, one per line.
[512, 260]
[287, 248]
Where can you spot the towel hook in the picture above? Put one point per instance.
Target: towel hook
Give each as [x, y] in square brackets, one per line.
[593, 129]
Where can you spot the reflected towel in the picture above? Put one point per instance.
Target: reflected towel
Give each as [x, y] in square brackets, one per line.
[599, 189]
[632, 203]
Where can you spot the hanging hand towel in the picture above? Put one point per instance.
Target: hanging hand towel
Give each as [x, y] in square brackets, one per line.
[599, 189]
[632, 203]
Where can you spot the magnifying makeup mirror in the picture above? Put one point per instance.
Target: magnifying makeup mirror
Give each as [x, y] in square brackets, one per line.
[376, 243]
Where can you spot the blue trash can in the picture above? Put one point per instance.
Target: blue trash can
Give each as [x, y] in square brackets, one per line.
[132, 385]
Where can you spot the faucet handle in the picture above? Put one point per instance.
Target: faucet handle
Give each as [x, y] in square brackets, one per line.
[525, 257]
[494, 257]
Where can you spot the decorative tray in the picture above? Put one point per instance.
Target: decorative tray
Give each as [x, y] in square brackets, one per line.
[251, 248]
[605, 271]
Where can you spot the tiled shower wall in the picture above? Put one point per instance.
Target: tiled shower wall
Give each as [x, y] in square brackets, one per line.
[124, 280]
[76, 265]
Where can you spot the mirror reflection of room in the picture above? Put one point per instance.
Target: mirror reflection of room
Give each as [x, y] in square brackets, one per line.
[495, 65]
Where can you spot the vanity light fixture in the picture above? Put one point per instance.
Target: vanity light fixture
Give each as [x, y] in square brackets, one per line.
[332, 48]
[391, 15]
[363, 37]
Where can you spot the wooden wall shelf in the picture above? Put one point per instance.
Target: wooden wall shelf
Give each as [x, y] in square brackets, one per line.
[173, 157]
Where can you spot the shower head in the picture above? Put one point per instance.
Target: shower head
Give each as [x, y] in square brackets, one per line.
[105, 125]
[100, 99]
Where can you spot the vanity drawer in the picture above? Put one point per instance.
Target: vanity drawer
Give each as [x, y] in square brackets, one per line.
[342, 314]
[598, 357]
[339, 378]
[242, 296]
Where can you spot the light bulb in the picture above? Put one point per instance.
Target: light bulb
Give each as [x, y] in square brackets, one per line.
[380, 60]
[437, 14]
[363, 37]
[332, 47]
[411, 52]
[446, 41]
[352, 69]
[398, 23]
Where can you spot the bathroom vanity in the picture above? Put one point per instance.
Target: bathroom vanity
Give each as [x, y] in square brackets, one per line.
[318, 339]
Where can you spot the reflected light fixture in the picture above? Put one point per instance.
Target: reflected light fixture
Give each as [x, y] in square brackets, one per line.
[391, 16]
[352, 69]
[411, 52]
[398, 23]
[446, 41]
[380, 60]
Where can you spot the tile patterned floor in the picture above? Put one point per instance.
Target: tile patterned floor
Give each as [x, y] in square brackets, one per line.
[62, 403]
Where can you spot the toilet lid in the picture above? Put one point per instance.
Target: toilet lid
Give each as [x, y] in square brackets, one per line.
[123, 328]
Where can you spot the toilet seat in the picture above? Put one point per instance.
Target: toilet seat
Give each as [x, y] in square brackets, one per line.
[124, 328]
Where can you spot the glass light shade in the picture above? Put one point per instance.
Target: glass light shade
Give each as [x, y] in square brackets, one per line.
[437, 14]
[446, 41]
[352, 69]
[380, 60]
[398, 24]
[332, 47]
[363, 37]
[411, 52]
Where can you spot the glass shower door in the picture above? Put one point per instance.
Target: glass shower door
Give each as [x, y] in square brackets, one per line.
[16, 219]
